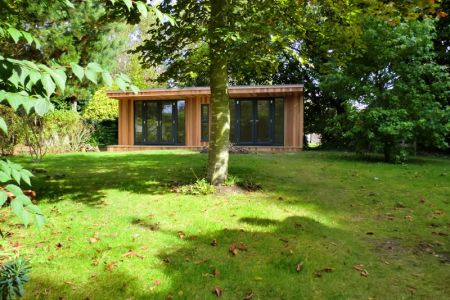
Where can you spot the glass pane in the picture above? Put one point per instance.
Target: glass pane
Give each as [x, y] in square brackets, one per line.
[204, 119]
[152, 122]
[246, 121]
[263, 121]
[279, 121]
[138, 128]
[181, 125]
[233, 121]
[166, 123]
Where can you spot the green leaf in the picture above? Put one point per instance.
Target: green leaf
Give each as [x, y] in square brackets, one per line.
[42, 106]
[121, 83]
[25, 178]
[14, 100]
[95, 67]
[17, 191]
[142, 9]
[69, 4]
[40, 220]
[3, 198]
[18, 210]
[59, 77]
[77, 71]
[4, 177]
[48, 84]
[14, 33]
[14, 78]
[25, 200]
[134, 88]
[91, 75]
[3, 125]
[28, 37]
[128, 3]
[16, 175]
[159, 14]
[107, 79]
[34, 209]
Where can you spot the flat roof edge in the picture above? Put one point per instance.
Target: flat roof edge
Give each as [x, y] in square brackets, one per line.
[193, 91]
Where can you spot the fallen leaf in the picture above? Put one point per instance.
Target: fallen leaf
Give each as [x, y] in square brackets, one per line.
[216, 273]
[242, 247]
[133, 253]
[155, 284]
[214, 243]
[233, 249]
[284, 240]
[110, 266]
[409, 218]
[181, 234]
[59, 246]
[180, 293]
[51, 257]
[258, 278]
[249, 295]
[298, 225]
[93, 239]
[299, 267]
[325, 270]
[218, 291]
[370, 233]
[361, 270]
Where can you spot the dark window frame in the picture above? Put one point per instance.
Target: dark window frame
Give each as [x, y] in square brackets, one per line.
[204, 120]
[175, 124]
[272, 118]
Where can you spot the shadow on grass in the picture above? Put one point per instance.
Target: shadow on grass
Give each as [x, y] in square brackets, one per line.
[86, 178]
[266, 261]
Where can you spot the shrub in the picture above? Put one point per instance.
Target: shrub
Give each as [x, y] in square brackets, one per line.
[105, 132]
[66, 131]
[15, 133]
[57, 132]
[200, 187]
[13, 274]
[101, 107]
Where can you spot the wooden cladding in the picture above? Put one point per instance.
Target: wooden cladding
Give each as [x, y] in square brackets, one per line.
[195, 97]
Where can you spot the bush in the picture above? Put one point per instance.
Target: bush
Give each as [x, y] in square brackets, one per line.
[66, 131]
[16, 132]
[200, 187]
[13, 274]
[59, 131]
[105, 132]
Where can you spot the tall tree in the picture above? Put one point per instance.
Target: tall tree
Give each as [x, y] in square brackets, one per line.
[227, 37]
[398, 93]
[86, 31]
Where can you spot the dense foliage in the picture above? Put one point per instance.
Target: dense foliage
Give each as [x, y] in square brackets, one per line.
[396, 94]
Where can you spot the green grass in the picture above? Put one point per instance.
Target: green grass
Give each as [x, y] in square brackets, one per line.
[326, 210]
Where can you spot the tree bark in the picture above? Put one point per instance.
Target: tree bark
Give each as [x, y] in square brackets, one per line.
[220, 110]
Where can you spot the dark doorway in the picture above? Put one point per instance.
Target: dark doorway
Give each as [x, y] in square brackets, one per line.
[159, 122]
[257, 121]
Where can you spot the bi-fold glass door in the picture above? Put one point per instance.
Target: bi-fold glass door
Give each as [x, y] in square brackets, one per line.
[159, 122]
[257, 121]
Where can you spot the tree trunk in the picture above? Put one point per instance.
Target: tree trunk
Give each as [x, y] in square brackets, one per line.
[220, 110]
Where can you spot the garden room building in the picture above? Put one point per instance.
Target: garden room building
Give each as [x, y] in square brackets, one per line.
[263, 118]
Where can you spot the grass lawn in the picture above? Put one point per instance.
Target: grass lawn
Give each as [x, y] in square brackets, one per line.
[324, 226]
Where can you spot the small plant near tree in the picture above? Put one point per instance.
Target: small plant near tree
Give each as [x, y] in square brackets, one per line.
[13, 275]
[200, 187]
